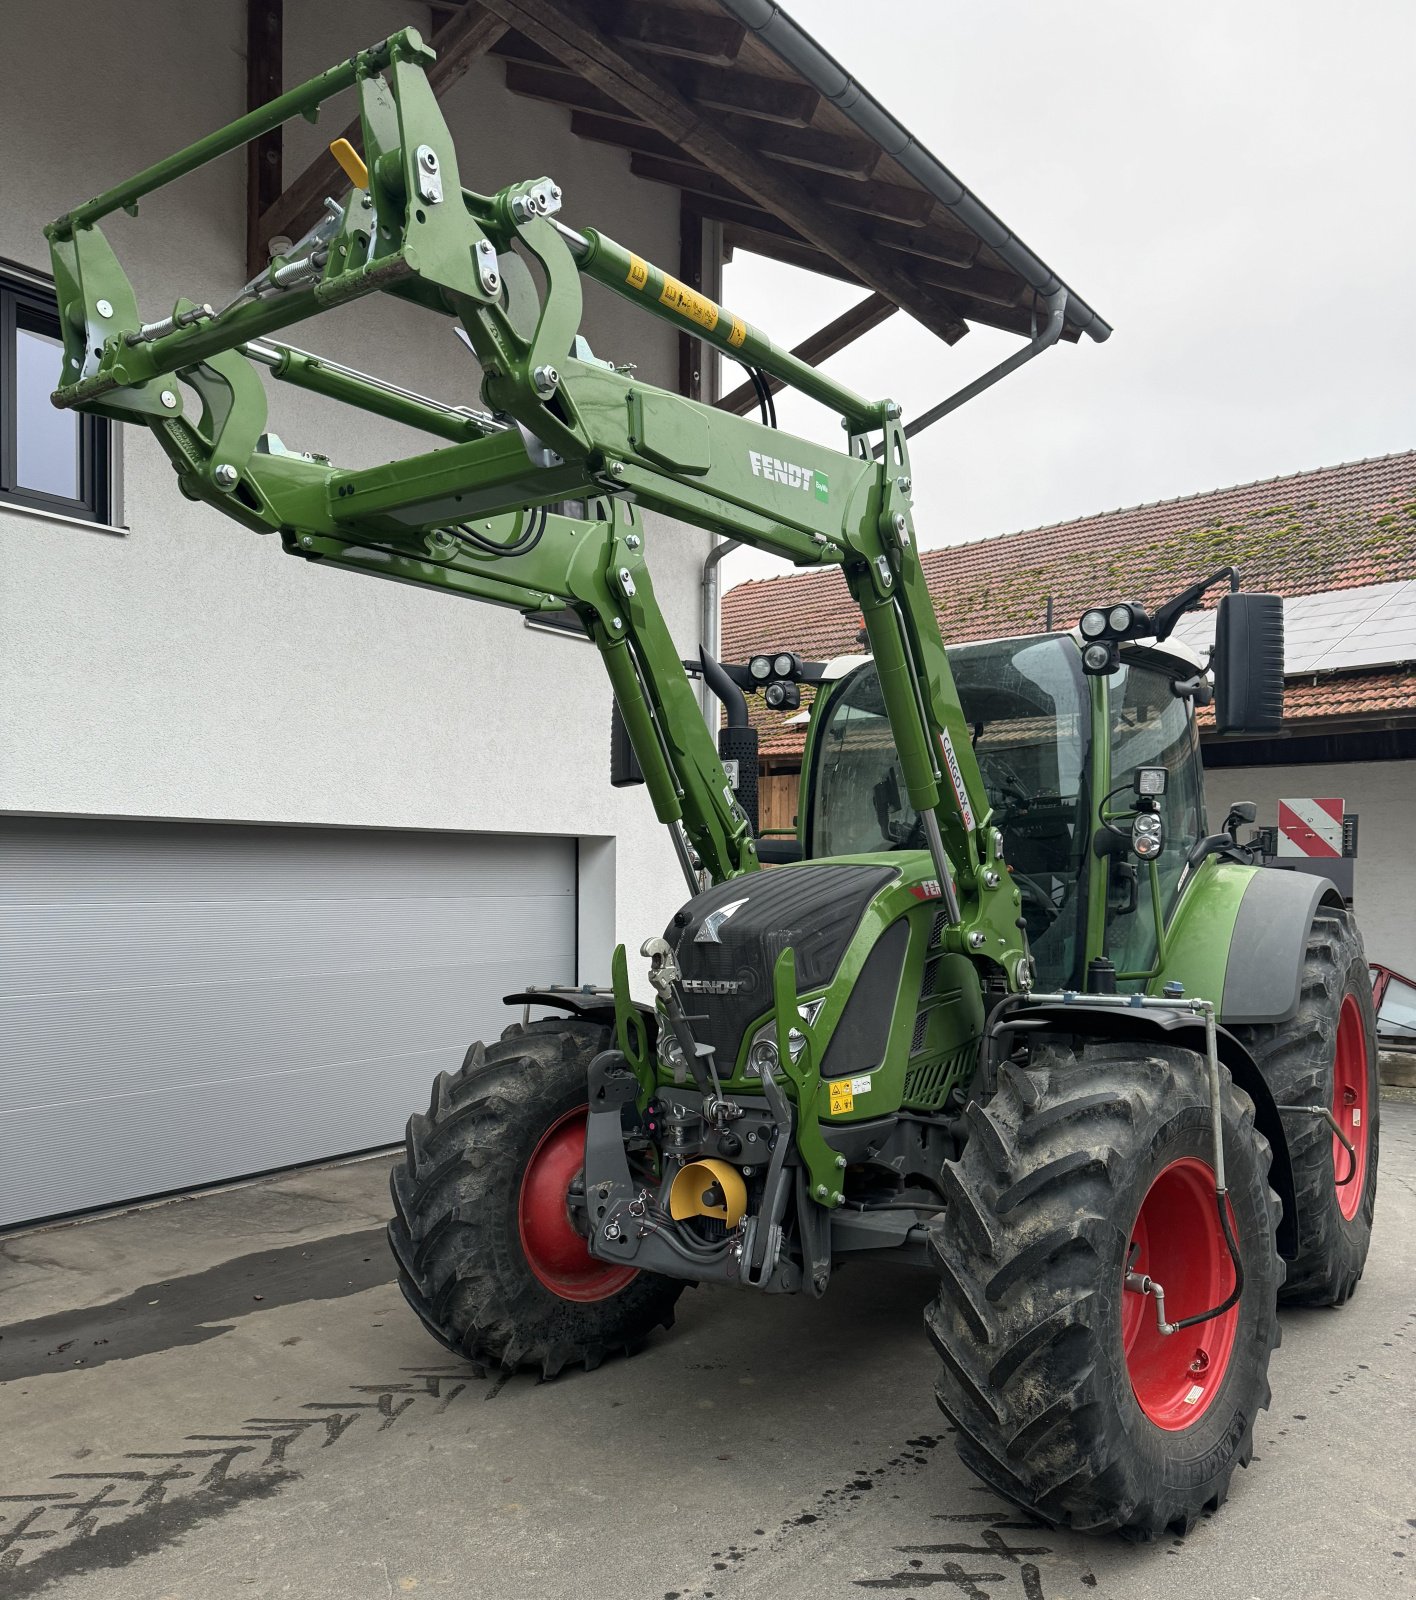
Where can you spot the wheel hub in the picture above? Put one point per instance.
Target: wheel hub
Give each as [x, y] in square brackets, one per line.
[1177, 1240]
[555, 1249]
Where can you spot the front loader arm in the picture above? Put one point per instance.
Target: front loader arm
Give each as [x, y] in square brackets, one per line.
[483, 514]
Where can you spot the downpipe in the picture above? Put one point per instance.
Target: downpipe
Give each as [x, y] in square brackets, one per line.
[711, 614]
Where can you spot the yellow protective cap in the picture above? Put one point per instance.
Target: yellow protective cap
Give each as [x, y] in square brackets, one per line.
[352, 163]
[688, 1193]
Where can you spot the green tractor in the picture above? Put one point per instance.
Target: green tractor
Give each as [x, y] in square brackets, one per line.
[1004, 1007]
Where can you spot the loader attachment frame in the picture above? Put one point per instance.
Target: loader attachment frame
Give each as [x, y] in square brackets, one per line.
[483, 513]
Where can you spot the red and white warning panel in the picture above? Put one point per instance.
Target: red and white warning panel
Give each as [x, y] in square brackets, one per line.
[1310, 828]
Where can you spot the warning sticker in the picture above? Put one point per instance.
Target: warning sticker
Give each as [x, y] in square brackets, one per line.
[689, 303]
[638, 274]
[737, 333]
[843, 1095]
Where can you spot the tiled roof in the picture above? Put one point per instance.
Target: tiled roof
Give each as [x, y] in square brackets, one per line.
[1350, 695]
[1335, 528]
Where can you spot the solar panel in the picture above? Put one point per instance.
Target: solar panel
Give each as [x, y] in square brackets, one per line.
[1374, 626]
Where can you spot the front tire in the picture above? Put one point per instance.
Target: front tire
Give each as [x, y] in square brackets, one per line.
[1326, 1055]
[483, 1231]
[1064, 1396]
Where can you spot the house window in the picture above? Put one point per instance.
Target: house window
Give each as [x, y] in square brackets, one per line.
[56, 461]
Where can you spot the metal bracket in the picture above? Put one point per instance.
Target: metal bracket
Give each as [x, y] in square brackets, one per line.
[488, 269]
[430, 188]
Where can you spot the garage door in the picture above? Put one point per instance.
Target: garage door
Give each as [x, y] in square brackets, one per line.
[181, 1003]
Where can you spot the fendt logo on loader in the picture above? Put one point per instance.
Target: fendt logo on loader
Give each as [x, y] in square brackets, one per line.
[789, 473]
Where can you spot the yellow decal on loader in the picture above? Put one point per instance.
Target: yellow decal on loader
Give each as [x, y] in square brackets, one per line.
[689, 303]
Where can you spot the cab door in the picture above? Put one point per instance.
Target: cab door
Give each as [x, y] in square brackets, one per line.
[1150, 726]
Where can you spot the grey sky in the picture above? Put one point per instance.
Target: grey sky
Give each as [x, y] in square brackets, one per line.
[1229, 182]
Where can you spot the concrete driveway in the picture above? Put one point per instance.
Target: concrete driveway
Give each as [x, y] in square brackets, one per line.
[225, 1396]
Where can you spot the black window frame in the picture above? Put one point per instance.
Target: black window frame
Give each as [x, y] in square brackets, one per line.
[26, 304]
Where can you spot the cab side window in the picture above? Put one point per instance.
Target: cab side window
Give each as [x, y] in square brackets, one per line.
[1152, 727]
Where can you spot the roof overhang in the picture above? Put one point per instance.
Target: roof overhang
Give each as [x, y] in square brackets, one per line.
[759, 130]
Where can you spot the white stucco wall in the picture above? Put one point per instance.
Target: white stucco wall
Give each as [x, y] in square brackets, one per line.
[1383, 794]
[190, 669]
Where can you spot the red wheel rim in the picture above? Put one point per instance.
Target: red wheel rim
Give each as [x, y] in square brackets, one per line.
[554, 1250]
[1181, 1245]
[1349, 1106]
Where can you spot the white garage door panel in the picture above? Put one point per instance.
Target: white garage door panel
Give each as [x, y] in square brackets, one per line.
[101, 1144]
[181, 1004]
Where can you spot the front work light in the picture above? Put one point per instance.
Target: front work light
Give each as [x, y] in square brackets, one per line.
[1093, 624]
[1150, 780]
[1099, 658]
[760, 667]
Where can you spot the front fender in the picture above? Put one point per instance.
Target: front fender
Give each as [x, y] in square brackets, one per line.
[1185, 1029]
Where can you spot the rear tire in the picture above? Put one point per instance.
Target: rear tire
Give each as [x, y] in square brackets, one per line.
[1326, 1055]
[1064, 1396]
[487, 1254]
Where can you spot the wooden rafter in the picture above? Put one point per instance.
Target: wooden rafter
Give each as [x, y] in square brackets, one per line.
[690, 350]
[639, 84]
[732, 89]
[890, 202]
[824, 343]
[468, 35]
[657, 30]
[265, 167]
[823, 152]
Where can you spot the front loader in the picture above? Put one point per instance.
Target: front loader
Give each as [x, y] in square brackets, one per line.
[1004, 1007]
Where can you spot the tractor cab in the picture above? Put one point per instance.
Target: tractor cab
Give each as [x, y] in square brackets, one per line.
[1064, 728]
[1027, 705]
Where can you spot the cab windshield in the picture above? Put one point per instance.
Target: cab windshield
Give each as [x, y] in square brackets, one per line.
[1027, 707]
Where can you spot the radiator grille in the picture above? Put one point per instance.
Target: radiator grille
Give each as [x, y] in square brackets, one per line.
[925, 1084]
[921, 1032]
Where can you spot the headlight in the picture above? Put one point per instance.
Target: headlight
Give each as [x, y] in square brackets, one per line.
[1093, 624]
[1120, 618]
[764, 1041]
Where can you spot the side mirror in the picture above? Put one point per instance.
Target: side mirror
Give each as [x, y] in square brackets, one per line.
[1248, 664]
[1241, 812]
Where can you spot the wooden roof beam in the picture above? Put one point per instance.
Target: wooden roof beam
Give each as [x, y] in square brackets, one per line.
[820, 346]
[731, 89]
[265, 157]
[642, 87]
[742, 235]
[667, 30]
[565, 89]
[849, 159]
[470, 34]
[656, 157]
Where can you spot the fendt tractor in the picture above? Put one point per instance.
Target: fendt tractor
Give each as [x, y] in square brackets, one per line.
[1005, 1006]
